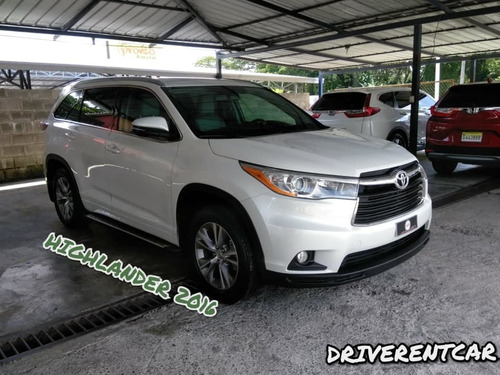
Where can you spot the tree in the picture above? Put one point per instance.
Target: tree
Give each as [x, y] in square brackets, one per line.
[229, 63]
[378, 77]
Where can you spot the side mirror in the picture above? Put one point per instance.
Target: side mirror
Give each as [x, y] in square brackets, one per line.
[150, 123]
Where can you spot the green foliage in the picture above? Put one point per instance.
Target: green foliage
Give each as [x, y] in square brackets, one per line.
[448, 71]
[286, 70]
[484, 68]
[229, 64]
[379, 77]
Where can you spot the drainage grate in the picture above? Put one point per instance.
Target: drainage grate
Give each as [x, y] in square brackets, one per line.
[88, 322]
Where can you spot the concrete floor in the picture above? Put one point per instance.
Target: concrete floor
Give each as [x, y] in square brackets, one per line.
[38, 287]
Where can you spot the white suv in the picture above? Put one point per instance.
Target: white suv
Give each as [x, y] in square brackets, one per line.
[246, 183]
[382, 112]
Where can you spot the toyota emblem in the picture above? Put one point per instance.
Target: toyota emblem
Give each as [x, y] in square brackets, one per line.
[402, 180]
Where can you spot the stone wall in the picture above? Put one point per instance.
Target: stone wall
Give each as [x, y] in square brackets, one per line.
[299, 99]
[22, 142]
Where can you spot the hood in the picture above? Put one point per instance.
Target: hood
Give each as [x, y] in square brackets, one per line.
[331, 152]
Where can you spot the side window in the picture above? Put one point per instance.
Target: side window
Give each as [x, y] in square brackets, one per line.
[402, 98]
[70, 107]
[387, 98]
[135, 103]
[97, 107]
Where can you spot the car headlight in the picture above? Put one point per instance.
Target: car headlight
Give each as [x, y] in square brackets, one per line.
[300, 185]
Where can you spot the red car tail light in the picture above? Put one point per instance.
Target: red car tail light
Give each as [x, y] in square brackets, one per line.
[443, 112]
[316, 115]
[365, 112]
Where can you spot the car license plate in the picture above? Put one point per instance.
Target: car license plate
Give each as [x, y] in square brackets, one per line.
[406, 226]
[472, 137]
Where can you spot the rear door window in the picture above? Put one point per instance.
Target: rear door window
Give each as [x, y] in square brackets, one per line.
[69, 109]
[402, 99]
[387, 98]
[98, 107]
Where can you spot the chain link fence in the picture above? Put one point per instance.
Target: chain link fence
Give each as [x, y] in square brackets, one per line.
[437, 88]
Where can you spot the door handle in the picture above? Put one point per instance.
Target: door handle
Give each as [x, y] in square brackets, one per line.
[111, 147]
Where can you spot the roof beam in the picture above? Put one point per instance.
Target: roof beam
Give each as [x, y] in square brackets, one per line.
[438, 4]
[370, 29]
[176, 28]
[292, 13]
[146, 5]
[73, 21]
[80, 15]
[246, 37]
[297, 51]
[296, 14]
[329, 56]
[299, 10]
[87, 34]
[405, 64]
[202, 21]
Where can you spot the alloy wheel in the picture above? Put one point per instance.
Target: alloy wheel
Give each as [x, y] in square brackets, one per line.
[216, 256]
[64, 198]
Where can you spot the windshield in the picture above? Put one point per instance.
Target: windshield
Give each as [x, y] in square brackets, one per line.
[238, 111]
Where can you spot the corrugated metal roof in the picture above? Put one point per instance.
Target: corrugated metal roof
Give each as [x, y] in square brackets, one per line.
[314, 34]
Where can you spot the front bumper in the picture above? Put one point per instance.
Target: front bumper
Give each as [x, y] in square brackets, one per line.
[360, 265]
[286, 226]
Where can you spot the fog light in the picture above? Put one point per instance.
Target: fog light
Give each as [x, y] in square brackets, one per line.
[302, 257]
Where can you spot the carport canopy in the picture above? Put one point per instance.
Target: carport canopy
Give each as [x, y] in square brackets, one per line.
[322, 35]
[331, 36]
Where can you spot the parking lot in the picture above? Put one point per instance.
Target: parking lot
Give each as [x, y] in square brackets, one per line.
[447, 293]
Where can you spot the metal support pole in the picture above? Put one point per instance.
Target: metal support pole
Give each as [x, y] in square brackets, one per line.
[21, 79]
[218, 65]
[320, 84]
[462, 72]
[437, 79]
[28, 79]
[473, 71]
[415, 87]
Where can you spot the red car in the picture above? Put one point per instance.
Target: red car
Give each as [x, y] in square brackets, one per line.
[464, 127]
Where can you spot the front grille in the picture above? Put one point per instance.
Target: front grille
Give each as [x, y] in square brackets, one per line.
[380, 199]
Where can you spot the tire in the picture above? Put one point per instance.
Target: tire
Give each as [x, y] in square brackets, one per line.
[223, 267]
[67, 200]
[444, 167]
[399, 139]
